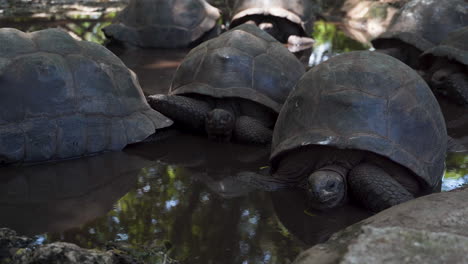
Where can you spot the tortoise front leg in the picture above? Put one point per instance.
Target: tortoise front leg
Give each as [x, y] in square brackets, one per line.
[188, 112]
[375, 188]
[250, 130]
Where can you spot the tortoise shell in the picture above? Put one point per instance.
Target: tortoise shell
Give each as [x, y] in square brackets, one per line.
[425, 23]
[244, 62]
[367, 101]
[454, 48]
[162, 23]
[65, 98]
[300, 12]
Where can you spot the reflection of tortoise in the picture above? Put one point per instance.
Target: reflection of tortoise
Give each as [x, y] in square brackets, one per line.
[163, 24]
[312, 226]
[65, 98]
[233, 85]
[361, 123]
[446, 66]
[420, 25]
[280, 18]
[90, 184]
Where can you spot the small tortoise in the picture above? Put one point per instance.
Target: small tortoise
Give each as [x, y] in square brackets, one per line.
[163, 23]
[280, 18]
[64, 98]
[233, 85]
[446, 66]
[364, 124]
[420, 25]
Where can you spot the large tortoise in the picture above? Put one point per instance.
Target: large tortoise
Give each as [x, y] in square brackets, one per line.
[364, 124]
[420, 25]
[233, 85]
[64, 98]
[446, 66]
[280, 18]
[164, 24]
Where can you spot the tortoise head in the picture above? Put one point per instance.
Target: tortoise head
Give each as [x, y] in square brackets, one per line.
[326, 188]
[219, 124]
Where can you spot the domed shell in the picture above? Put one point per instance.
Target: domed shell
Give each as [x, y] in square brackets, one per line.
[64, 98]
[367, 101]
[300, 12]
[455, 47]
[163, 23]
[425, 23]
[244, 62]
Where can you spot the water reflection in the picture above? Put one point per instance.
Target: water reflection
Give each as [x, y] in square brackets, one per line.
[179, 200]
[155, 67]
[64, 195]
[180, 195]
[311, 226]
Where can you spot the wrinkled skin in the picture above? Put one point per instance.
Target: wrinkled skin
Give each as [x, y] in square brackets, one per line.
[450, 79]
[220, 119]
[333, 176]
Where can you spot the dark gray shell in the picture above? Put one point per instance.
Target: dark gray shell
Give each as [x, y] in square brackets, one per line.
[425, 23]
[244, 62]
[368, 101]
[63, 98]
[455, 47]
[163, 23]
[300, 12]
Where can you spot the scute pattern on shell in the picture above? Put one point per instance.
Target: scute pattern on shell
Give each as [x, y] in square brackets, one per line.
[367, 101]
[425, 23]
[244, 62]
[163, 23]
[66, 98]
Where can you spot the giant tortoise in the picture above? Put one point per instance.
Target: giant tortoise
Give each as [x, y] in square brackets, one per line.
[164, 24]
[420, 25]
[64, 98]
[233, 85]
[446, 66]
[280, 18]
[361, 125]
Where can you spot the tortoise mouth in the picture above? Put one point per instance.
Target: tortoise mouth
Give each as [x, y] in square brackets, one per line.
[325, 202]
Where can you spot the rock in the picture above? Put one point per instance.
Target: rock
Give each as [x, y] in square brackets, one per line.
[16, 249]
[65, 253]
[10, 243]
[430, 229]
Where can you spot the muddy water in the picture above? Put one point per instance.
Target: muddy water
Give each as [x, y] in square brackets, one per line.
[179, 198]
